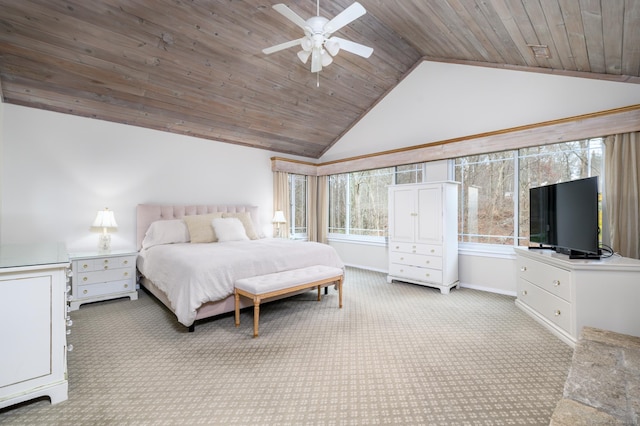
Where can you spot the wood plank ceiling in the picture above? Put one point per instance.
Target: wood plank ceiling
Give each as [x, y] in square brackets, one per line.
[196, 67]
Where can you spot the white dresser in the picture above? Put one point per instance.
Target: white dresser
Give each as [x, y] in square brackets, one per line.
[566, 295]
[101, 276]
[33, 319]
[423, 234]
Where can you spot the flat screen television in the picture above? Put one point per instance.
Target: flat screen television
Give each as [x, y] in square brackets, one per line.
[564, 217]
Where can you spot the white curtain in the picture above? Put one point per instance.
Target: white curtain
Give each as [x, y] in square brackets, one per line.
[322, 209]
[622, 191]
[312, 208]
[281, 200]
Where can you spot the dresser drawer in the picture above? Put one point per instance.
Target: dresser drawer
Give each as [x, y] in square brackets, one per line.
[105, 275]
[553, 308]
[415, 273]
[101, 264]
[105, 288]
[433, 262]
[555, 280]
[426, 249]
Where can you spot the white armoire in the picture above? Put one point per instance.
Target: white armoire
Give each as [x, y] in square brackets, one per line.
[423, 234]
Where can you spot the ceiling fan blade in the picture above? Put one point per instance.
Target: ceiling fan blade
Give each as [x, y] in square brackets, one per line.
[352, 47]
[290, 15]
[316, 61]
[345, 17]
[282, 46]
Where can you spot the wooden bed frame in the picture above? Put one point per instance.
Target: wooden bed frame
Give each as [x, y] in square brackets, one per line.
[149, 213]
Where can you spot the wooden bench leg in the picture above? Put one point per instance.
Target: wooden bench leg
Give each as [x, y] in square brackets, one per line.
[340, 292]
[237, 307]
[319, 293]
[256, 315]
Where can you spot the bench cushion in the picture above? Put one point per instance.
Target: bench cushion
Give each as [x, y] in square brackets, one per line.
[285, 279]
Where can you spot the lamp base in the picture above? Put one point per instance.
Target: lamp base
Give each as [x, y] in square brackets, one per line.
[104, 242]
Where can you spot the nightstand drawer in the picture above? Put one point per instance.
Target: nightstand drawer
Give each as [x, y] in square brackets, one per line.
[105, 275]
[416, 260]
[105, 288]
[105, 263]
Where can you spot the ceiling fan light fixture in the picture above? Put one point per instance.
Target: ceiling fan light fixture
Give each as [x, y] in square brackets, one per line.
[306, 44]
[304, 55]
[332, 46]
[326, 58]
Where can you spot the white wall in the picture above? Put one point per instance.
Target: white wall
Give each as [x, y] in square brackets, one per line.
[57, 170]
[440, 101]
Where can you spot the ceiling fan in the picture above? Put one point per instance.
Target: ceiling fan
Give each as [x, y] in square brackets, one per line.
[318, 42]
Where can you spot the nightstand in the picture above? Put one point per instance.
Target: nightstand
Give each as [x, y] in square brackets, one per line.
[101, 276]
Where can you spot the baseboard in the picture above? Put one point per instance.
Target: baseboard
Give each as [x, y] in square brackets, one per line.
[489, 289]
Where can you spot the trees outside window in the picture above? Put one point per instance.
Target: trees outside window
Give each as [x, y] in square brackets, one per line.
[298, 205]
[358, 201]
[492, 211]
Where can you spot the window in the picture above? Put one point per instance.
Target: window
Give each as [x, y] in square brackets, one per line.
[298, 205]
[358, 201]
[491, 210]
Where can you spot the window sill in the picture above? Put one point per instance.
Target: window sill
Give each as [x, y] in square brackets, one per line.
[358, 239]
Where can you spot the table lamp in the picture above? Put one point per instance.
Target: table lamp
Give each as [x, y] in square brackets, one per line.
[105, 219]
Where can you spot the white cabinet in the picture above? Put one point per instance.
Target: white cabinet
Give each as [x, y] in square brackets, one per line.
[566, 295]
[101, 276]
[33, 302]
[423, 234]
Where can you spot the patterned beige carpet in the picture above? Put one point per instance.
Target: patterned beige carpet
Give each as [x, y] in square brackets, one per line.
[395, 354]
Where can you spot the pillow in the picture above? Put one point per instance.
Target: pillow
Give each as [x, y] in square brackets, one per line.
[247, 222]
[166, 232]
[200, 228]
[229, 229]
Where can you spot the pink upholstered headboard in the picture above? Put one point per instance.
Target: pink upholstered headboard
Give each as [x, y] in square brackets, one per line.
[146, 214]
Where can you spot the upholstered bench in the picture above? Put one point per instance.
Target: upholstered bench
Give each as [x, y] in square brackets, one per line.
[262, 287]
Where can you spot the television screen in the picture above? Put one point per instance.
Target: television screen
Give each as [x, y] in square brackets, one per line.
[564, 217]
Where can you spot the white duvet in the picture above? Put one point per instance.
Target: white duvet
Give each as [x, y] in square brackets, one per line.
[193, 274]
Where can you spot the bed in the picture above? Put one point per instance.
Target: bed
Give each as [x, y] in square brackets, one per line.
[192, 269]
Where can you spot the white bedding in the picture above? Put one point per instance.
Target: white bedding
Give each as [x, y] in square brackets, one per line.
[193, 274]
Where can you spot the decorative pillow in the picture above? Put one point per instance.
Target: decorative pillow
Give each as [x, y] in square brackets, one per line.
[166, 232]
[200, 228]
[247, 222]
[229, 229]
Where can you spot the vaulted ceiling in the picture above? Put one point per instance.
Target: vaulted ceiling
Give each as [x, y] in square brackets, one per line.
[196, 67]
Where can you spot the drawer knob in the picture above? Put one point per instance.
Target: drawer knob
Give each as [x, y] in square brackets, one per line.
[126, 286]
[126, 274]
[556, 283]
[524, 292]
[427, 262]
[413, 251]
[106, 267]
[84, 278]
[402, 258]
[433, 251]
[85, 291]
[69, 348]
[126, 262]
[106, 261]
[523, 269]
[427, 274]
[397, 247]
[85, 266]
[557, 313]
